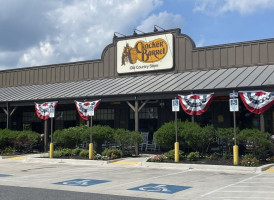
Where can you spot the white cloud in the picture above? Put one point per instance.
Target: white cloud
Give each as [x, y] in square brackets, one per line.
[76, 30]
[164, 19]
[244, 7]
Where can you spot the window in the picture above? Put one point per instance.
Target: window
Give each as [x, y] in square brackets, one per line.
[104, 114]
[30, 117]
[146, 113]
[3, 117]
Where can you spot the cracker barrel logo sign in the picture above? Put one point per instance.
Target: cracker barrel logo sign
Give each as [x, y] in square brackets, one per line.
[145, 54]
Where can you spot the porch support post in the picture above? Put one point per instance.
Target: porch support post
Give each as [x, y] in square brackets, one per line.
[262, 123]
[9, 114]
[136, 110]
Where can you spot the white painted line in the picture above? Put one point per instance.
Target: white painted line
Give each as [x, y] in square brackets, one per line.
[252, 186]
[250, 191]
[230, 185]
[223, 198]
[259, 182]
[145, 179]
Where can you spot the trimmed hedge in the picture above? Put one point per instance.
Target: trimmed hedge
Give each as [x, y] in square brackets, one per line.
[21, 141]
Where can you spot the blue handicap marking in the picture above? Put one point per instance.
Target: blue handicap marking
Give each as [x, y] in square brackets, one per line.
[81, 182]
[162, 188]
[4, 175]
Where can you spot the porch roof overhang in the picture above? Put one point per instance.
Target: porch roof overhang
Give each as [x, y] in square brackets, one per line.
[153, 86]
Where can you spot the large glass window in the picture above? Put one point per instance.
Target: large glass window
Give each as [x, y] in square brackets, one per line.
[3, 117]
[30, 117]
[65, 119]
[104, 114]
[146, 113]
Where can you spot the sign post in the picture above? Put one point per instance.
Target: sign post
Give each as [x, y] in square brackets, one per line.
[91, 114]
[234, 107]
[51, 115]
[176, 108]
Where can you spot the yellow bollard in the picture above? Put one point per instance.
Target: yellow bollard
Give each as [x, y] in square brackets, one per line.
[51, 150]
[90, 151]
[176, 147]
[235, 155]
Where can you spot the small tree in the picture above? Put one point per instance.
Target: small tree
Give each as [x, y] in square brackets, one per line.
[165, 135]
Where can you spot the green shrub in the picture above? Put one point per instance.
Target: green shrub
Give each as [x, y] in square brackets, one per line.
[158, 158]
[165, 135]
[22, 141]
[213, 156]
[8, 151]
[193, 156]
[270, 159]
[7, 138]
[249, 160]
[171, 155]
[57, 154]
[26, 140]
[259, 141]
[71, 137]
[76, 151]
[84, 153]
[227, 156]
[127, 139]
[112, 153]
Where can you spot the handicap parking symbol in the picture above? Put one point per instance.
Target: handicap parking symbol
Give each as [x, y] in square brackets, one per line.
[81, 182]
[161, 188]
[4, 175]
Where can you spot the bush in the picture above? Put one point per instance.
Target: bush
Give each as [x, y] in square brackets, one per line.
[127, 139]
[193, 156]
[22, 141]
[71, 137]
[171, 155]
[259, 141]
[165, 135]
[26, 140]
[112, 153]
[76, 151]
[158, 158]
[250, 160]
[189, 134]
[270, 159]
[8, 151]
[213, 156]
[84, 153]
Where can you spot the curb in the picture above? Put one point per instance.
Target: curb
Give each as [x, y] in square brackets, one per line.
[200, 167]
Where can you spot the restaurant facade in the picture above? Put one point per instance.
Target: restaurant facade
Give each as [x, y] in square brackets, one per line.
[136, 79]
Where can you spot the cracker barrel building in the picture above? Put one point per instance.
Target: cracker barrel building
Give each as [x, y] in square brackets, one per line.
[137, 77]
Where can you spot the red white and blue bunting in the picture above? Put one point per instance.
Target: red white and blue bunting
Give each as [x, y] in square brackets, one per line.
[257, 101]
[43, 110]
[195, 104]
[83, 108]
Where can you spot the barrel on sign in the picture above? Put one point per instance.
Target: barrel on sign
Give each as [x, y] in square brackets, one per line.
[132, 56]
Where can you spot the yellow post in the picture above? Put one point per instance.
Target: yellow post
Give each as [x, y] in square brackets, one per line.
[51, 150]
[176, 147]
[90, 151]
[235, 155]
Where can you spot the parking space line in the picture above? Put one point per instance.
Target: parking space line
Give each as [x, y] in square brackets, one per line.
[151, 178]
[230, 185]
[124, 163]
[270, 170]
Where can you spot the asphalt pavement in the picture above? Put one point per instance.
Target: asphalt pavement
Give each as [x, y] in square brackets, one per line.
[29, 177]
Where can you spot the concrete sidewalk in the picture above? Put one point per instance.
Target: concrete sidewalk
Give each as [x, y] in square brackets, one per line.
[140, 161]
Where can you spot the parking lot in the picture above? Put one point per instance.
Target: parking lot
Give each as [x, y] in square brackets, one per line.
[136, 181]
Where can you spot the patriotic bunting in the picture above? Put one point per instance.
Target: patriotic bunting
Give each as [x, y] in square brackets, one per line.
[84, 108]
[195, 104]
[43, 110]
[257, 101]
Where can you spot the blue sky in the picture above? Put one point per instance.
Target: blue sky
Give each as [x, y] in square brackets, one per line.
[38, 32]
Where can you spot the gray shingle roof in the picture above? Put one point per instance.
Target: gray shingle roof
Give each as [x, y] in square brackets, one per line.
[232, 78]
